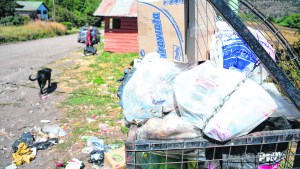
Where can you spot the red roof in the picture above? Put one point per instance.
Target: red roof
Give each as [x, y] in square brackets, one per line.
[122, 8]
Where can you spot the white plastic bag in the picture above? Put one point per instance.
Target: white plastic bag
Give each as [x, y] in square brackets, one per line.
[170, 127]
[285, 106]
[228, 50]
[149, 92]
[200, 90]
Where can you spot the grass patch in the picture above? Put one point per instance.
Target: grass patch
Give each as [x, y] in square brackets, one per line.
[98, 80]
[95, 98]
[87, 96]
[94, 65]
[31, 31]
[65, 145]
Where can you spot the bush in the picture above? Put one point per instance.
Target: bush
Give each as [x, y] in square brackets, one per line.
[14, 20]
[68, 25]
[25, 19]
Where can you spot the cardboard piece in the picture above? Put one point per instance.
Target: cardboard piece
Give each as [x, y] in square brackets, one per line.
[162, 28]
[115, 159]
[175, 29]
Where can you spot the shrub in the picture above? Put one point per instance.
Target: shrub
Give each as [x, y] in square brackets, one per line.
[14, 20]
[68, 25]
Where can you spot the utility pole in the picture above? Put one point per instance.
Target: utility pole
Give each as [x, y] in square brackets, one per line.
[53, 14]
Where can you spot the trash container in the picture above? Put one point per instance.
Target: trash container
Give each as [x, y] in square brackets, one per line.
[263, 149]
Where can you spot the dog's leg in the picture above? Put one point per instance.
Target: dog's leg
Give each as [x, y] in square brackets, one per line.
[41, 87]
[49, 82]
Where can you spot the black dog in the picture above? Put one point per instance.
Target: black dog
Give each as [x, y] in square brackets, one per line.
[42, 77]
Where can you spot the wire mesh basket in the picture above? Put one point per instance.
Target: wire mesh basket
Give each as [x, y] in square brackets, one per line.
[285, 68]
[272, 149]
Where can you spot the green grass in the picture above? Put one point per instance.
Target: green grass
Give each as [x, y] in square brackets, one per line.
[98, 81]
[86, 96]
[96, 96]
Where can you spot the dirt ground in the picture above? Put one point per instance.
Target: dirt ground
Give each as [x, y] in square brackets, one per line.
[22, 109]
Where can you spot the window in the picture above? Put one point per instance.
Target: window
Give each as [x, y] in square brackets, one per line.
[38, 11]
[114, 23]
[45, 12]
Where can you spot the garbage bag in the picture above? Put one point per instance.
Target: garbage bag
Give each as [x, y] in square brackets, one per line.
[128, 72]
[199, 91]
[44, 145]
[170, 127]
[229, 50]
[149, 92]
[96, 156]
[285, 106]
[26, 138]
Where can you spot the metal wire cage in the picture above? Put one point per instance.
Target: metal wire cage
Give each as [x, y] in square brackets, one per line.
[285, 70]
[271, 149]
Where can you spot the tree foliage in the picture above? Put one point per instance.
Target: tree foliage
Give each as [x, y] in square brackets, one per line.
[292, 21]
[78, 12]
[7, 8]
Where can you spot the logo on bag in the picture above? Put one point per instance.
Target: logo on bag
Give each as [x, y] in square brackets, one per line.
[159, 35]
[176, 52]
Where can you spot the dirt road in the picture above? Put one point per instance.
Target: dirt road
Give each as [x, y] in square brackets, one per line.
[21, 108]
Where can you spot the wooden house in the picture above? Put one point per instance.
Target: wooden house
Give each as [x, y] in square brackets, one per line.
[36, 10]
[121, 29]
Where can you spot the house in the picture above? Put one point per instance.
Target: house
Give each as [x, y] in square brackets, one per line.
[121, 29]
[34, 9]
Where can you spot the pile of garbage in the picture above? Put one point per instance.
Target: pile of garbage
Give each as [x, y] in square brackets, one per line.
[103, 155]
[228, 95]
[26, 146]
[224, 97]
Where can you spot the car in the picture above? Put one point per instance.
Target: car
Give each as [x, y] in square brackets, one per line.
[82, 35]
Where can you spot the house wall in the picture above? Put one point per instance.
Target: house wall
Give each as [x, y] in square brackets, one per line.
[43, 9]
[123, 39]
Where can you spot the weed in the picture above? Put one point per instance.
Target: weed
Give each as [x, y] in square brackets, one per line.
[124, 129]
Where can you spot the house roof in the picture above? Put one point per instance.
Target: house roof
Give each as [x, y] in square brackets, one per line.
[29, 5]
[123, 8]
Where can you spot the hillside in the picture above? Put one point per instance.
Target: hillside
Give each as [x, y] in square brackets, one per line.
[277, 8]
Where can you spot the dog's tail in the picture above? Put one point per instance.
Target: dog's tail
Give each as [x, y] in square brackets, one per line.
[33, 79]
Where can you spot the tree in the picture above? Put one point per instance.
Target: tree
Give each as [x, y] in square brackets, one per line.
[7, 8]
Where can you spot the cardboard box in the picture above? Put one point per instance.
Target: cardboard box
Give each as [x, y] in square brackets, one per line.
[115, 159]
[174, 29]
[162, 28]
[200, 30]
